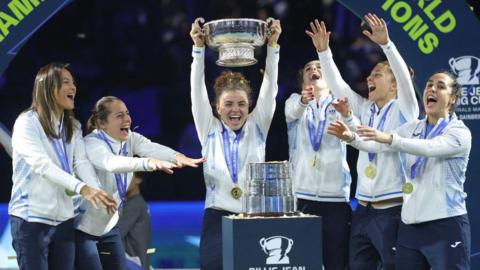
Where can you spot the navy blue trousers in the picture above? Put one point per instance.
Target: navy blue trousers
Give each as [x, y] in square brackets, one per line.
[336, 218]
[442, 244]
[211, 239]
[373, 238]
[100, 252]
[43, 247]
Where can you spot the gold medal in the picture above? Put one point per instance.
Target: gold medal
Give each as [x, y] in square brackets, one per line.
[69, 192]
[370, 171]
[313, 162]
[407, 188]
[236, 193]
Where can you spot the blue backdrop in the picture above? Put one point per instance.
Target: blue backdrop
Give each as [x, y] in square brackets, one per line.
[175, 235]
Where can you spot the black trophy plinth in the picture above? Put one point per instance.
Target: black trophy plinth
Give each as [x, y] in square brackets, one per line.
[272, 243]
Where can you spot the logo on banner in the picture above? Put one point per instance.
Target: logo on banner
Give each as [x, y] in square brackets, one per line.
[467, 70]
[277, 248]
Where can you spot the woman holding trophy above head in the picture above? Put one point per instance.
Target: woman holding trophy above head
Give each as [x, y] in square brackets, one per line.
[231, 141]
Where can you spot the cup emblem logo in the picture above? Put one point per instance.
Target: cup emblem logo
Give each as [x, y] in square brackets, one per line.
[277, 248]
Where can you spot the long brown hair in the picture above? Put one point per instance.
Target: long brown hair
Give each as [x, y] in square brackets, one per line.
[100, 112]
[48, 82]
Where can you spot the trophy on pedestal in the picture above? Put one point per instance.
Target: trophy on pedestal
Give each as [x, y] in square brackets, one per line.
[235, 39]
[268, 190]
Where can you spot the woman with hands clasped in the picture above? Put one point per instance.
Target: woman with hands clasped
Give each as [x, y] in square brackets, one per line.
[231, 141]
[111, 147]
[435, 231]
[391, 102]
[49, 167]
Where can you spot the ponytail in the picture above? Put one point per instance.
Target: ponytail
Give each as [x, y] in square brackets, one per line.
[100, 112]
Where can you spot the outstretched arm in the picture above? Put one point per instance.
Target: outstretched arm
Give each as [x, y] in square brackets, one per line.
[320, 39]
[161, 156]
[405, 91]
[454, 142]
[343, 132]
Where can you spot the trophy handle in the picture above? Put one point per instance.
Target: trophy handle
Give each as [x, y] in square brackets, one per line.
[200, 20]
[269, 22]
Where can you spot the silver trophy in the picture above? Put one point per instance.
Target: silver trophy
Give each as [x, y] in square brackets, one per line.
[235, 39]
[268, 190]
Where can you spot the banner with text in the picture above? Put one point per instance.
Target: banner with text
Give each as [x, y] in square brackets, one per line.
[434, 35]
[19, 19]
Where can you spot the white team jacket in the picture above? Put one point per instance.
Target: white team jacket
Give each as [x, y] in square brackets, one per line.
[387, 184]
[97, 221]
[329, 178]
[438, 189]
[39, 183]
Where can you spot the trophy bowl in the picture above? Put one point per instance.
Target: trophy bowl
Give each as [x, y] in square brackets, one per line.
[235, 39]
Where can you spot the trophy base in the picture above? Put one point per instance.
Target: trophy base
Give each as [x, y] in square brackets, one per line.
[236, 55]
[271, 214]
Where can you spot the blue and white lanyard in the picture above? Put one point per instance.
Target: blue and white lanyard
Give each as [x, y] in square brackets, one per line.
[231, 153]
[316, 135]
[121, 179]
[61, 149]
[427, 135]
[381, 123]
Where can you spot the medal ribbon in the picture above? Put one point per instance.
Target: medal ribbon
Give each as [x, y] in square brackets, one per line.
[316, 136]
[427, 135]
[121, 179]
[61, 149]
[231, 153]
[381, 123]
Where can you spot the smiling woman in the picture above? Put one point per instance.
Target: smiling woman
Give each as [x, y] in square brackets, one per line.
[111, 147]
[391, 102]
[65, 96]
[231, 142]
[437, 150]
[440, 96]
[232, 94]
[49, 166]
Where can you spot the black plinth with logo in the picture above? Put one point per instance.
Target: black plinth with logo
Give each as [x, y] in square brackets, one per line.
[279, 243]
